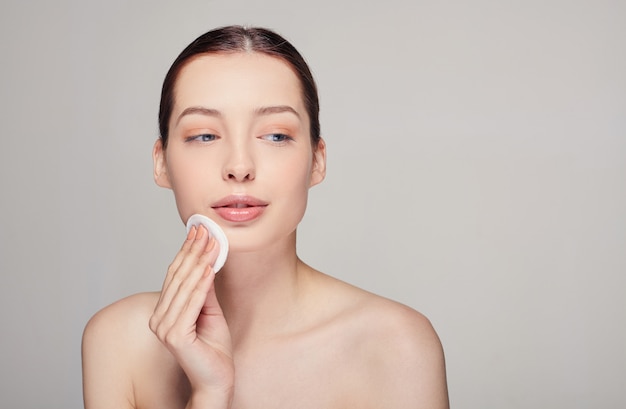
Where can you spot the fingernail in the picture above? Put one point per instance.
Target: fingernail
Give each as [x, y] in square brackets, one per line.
[210, 244]
[201, 233]
[191, 233]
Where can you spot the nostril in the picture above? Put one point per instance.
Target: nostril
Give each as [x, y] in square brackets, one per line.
[242, 176]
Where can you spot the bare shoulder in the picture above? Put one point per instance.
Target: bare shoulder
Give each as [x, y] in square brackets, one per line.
[396, 353]
[408, 357]
[410, 332]
[124, 319]
[114, 340]
[130, 307]
[383, 320]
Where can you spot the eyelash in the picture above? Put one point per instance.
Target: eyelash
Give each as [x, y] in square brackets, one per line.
[207, 137]
[284, 138]
[201, 137]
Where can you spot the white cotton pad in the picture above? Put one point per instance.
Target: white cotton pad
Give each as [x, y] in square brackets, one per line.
[214, 230]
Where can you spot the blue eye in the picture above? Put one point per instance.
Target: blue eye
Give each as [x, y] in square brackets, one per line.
[205, 137]
[277, 137]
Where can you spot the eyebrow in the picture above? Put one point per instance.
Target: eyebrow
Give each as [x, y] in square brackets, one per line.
[262, 111]
[199, 111]
[278, 109]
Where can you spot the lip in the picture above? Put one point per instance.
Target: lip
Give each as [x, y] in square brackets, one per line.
[239, 208]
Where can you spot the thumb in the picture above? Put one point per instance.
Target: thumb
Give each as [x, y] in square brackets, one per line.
[211, 307]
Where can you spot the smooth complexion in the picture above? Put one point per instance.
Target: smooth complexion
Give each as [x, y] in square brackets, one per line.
[268, 331]
[239, 149]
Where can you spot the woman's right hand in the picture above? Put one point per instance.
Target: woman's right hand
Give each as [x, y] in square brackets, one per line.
[189, 321]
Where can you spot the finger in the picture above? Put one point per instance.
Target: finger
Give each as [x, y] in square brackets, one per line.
[203, 262]
[187, 265]
[211, 305]
[196, 301]
[202, 252]
[211, 326]
[176, 297]
[177, 327]
[178, 259]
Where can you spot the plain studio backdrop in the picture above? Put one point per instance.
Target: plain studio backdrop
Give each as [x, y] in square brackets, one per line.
[477, 172]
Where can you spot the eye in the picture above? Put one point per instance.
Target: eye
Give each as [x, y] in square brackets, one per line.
[205, 137]
[277, 137]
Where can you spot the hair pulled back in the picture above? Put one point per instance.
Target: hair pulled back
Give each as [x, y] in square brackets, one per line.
[233, 39]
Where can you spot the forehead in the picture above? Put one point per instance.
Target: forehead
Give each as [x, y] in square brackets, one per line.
[237, 81]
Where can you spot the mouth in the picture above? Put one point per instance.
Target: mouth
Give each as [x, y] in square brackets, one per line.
[239, 202]
[239, 208]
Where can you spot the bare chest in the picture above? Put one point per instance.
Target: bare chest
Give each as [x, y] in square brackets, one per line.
[294, 378]
[286, 375]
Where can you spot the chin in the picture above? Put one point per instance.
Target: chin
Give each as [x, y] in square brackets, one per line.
[251, 243]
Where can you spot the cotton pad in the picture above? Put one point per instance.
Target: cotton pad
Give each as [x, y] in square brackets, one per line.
[215, 231]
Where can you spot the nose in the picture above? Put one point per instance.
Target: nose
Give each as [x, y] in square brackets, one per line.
[239, 165]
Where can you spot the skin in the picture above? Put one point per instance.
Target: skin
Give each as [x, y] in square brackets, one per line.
[268, 330]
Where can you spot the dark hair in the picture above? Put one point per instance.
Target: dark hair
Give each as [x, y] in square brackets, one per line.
[233, 39]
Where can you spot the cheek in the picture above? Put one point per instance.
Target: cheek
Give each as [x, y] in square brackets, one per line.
[186, 168]
[296, 173]
[184, 176]
[296, 187]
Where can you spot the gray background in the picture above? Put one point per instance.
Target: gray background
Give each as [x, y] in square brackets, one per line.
[477, 172]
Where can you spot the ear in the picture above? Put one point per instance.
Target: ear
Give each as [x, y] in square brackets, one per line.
[161, 177]
[318, 171]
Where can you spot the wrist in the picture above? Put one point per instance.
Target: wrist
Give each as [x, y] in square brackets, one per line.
[210, 399]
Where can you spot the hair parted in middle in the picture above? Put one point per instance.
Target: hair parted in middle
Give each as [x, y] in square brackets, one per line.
[232, 39]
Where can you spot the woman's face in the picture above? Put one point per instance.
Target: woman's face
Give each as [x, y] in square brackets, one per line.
[239, 148]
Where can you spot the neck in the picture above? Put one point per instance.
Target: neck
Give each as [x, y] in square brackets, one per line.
[259, 292]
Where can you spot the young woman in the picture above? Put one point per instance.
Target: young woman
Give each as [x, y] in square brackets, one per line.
[240, 143]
